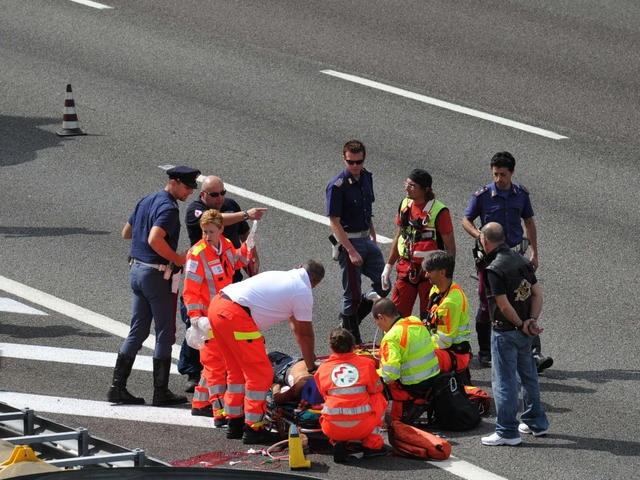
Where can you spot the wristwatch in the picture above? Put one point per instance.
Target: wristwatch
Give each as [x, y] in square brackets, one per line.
[245, 215]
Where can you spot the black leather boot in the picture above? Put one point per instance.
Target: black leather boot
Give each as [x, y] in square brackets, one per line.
[235, 428]
[350, 322]
[483, 329]
[162, 396]
[364, 308]
[118, 392]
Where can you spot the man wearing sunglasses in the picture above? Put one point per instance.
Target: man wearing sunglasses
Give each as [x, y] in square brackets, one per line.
[349, 208]
[236, 229]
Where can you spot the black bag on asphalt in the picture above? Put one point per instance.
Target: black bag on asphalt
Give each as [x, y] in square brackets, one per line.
[450, 407]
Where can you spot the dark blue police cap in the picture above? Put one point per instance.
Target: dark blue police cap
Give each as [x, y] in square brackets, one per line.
[186, 175]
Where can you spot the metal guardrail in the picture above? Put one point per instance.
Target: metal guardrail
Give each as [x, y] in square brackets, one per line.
[63, 446]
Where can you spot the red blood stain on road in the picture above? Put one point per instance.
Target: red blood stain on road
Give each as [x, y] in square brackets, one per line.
[211, 459]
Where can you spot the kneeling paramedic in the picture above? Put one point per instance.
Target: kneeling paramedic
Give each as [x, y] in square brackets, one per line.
[354, 401]
[408, 362]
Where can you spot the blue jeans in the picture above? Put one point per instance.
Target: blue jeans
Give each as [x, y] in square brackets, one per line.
[152, 300]
[372, 267]
[189, 362]
[511, 358]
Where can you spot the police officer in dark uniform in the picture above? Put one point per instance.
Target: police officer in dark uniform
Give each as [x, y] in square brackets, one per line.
[349, 207]
[213, 195]
[154, 231]
[508, 204]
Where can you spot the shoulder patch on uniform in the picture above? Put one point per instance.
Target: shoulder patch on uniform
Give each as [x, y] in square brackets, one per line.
[339, 182]
[524, 189]
[197, 213]
[191, 266]
[481, 191]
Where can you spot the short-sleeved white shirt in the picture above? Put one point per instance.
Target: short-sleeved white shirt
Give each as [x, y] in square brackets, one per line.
[274, 296]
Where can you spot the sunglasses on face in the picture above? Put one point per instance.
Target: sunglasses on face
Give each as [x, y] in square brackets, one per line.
[216, 194]
[354, 162]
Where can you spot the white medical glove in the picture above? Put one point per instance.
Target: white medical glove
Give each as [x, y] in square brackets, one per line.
[252, 238]
[386, 276]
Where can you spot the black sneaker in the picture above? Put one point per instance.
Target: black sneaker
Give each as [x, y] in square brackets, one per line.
[542, 362]
[220, 422]
[202, 412]
[339, 453]
[256, 437]
[192, 382]
[235, 428]
[371, 452]
[484, 357]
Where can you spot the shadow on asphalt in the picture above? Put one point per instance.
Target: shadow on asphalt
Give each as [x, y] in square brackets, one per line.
[21, 138]
[47, 232]
[46, 331]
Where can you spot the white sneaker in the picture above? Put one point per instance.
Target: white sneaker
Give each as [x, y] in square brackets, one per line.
[495, 440]
[524, 428]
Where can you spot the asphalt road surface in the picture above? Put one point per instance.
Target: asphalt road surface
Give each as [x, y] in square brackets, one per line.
[241, 90]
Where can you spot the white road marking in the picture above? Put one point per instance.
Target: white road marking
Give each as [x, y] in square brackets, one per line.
[76, 312]
[465, 470]
[74, 356]
[446, 105]
[11, 306]
[89, 3]
[93, 408]
[278, 204]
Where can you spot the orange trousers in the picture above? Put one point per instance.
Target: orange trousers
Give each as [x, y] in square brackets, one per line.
[365, 430]
[249, 371]
[213, 382]
[444, 360]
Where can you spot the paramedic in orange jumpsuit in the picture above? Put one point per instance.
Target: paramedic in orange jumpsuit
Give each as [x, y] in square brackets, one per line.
[210, 266]
[354, 403]
[238, 314]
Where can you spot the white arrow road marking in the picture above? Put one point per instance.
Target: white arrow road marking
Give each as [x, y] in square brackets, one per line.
[72, 355]
[10, 305]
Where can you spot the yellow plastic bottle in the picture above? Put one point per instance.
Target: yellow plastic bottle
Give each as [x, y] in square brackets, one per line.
[296, 453]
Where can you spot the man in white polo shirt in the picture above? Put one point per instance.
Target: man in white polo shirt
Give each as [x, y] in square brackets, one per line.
[238, 315]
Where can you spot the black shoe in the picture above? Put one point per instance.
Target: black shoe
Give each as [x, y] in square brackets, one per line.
[235, 428]
[339, 453]
[484, 357]
[220, 422]
[123, 397]
[370, 452]
[256, 437]
[202, 412]
[192, 382]
[542, 362]
[165, 398]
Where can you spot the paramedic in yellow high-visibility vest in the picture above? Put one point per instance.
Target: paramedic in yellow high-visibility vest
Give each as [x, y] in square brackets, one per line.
[408, 362]
[424, 224]
[448, 313]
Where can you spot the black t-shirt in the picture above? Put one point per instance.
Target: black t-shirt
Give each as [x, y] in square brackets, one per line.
[232, 232]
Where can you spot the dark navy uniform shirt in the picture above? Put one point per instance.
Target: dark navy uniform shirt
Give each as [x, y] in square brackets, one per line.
[506, 207]
[232, 232]
[351, 200]
[159, 209]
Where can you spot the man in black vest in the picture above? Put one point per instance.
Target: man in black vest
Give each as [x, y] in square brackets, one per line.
[515, 302]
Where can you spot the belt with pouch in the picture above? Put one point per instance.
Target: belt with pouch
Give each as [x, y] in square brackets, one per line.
[158, 266]
[362, 234]
[227, 297]
[507, 326]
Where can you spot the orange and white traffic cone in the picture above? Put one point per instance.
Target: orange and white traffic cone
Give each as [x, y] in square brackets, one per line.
[70, 124]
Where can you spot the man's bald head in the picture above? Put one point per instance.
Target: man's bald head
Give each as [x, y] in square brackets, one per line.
[212, 185]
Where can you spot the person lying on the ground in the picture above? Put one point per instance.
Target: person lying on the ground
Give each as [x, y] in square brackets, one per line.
[292, 381]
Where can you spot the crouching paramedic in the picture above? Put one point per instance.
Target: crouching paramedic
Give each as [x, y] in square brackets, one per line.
[408, 362]
[211, 264]
[354, 401]
[448, 314]
[238, 315]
